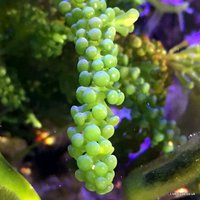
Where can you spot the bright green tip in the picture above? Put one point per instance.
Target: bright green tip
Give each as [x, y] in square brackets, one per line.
[127, 19]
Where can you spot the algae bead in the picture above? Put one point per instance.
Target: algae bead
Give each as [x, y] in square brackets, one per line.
[91, 52]
[92, 148]
[81, 45]
[92, 132]
[108, 131]
[84, 162]
[64, 7]
[89, 96]
[112, 97]
[101, 78]
[77, 140]
[100, 168]
[110, 61]
[95, 34]
[99, 112]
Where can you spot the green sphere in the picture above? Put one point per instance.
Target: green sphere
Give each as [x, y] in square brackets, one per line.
[110, 161]
[95, 4]
[92, 148]
[81, 23]
[89, 96]
[79, 175]
[107, 44]
[64, 7]
[107, 131]
[110, 13]
[79, 119]
[92, 132]
[85, 78]
[94, 34]
[97, 65]
[88, 12]
[104, 18]
[101, 183]
[106, 147]
[77, 13]
[112, 97]
[95, 22]
[71, 131]
[84, 162]
[83, 65]
[121, 98]
[90, 177]
[79, 93]
[91, 52]
[80, 33]
[100, 168]
[110, 33]
[114, 120]
[81, 45]
[99, 112]
[110, 61]
[77, 140]
[114, 74]
[101, 78]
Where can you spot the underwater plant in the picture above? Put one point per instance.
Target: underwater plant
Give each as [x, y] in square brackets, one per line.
[77, 64]
[94, 27]
[13, 185]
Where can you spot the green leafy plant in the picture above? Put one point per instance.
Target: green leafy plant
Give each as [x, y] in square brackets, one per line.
[13, 186]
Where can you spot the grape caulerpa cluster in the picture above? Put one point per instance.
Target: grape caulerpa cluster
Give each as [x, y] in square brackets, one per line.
[144, 78]
[94, 26]
[11, 94]
[152, 58]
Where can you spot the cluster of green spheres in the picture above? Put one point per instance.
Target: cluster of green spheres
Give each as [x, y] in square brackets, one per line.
[49, 35]
[147, 113]
[142, 49]
[9, 94]
[93, 27]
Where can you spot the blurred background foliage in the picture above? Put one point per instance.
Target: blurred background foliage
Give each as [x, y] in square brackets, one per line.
[38, 77]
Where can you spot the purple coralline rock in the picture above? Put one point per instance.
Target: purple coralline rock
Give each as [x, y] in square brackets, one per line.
[146, 8]
[143, 147]
[123, 113]
[176, 101]
[193, 38]
[197, 18]
[172, 2]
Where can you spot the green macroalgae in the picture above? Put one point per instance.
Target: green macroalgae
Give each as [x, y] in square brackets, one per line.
[13, 186]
